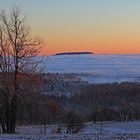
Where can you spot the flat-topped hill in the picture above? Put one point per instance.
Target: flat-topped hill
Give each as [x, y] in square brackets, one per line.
[74, 53]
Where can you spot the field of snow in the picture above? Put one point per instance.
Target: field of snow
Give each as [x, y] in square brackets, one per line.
[97, 68]
[110, 131]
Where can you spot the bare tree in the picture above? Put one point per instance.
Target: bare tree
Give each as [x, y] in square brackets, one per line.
[17, 61]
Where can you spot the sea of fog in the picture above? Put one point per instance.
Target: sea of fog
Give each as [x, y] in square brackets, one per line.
[97, 68]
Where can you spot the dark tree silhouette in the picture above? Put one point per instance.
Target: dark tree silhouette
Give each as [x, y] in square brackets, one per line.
[17, 63]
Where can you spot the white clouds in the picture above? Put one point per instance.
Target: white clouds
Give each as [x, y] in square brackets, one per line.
[100, 68]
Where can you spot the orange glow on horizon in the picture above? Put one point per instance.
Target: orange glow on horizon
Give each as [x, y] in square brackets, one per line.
[97, 47]
[97, 26]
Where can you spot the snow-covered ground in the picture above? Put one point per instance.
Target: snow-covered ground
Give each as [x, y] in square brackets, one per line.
[97, 68]
[110, 131]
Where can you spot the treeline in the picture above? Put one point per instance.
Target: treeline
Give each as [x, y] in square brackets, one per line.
[37, 109]
[103, 102]
[109, 101]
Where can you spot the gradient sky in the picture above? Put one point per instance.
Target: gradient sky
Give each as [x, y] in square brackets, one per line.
[100, 26]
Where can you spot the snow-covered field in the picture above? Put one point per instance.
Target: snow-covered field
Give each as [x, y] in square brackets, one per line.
[97, 68]
[110, 131]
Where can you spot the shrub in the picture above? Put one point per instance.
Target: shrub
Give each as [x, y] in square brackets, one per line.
[73, 122]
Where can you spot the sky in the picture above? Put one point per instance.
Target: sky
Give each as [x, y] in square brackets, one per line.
[98, 26]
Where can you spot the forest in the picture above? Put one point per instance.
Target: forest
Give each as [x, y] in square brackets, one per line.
[96, 103]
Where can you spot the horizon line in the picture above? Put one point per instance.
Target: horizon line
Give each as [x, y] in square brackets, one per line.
[93, 53]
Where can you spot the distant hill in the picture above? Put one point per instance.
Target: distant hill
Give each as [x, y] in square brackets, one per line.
[74, 53]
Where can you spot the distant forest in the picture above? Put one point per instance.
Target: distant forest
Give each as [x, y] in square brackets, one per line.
[103, 102]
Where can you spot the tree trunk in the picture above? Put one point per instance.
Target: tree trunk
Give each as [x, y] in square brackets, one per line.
[3, 127]
[2, 122]
[13, 114]
[7, 117]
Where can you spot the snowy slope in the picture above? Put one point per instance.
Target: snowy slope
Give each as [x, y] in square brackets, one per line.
[110, 131]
